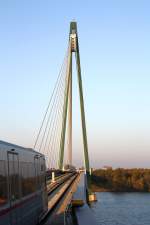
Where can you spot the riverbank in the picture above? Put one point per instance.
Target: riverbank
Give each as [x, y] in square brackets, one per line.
[95, 188]
[121, 180]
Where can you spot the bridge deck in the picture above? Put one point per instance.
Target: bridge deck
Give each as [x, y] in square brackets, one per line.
[83, 214]
[60, 199]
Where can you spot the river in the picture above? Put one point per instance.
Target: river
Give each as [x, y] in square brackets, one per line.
[122, 208]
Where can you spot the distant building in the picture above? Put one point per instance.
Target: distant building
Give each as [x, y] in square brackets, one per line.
[107, 168]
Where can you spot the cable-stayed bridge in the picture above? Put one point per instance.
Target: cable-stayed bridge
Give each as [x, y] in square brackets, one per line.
[59, 193]
[54, 138]
[55, 135]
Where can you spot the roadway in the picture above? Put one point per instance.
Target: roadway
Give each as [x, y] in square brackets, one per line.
[60, 194]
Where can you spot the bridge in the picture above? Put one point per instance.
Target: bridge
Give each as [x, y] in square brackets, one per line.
[68, 188]
[69, 191]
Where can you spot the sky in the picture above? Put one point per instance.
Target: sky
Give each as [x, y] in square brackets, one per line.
[114, 39]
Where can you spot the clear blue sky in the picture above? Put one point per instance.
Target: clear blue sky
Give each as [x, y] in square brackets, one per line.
[115, 57]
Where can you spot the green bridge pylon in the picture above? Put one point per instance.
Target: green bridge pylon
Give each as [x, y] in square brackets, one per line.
[73, 49]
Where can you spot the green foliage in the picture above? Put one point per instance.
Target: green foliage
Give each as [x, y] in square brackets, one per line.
[121, 179]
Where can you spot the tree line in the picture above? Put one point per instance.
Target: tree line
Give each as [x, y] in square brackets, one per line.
[121, 180]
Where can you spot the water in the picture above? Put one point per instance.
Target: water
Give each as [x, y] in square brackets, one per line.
[122, 208]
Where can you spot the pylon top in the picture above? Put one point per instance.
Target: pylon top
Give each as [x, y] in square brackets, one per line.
[73, 36]
[73, 27]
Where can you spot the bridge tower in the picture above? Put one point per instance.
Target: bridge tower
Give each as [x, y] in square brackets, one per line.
[73, 49]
